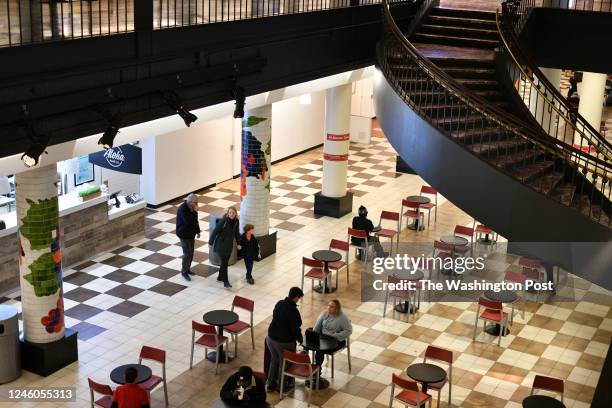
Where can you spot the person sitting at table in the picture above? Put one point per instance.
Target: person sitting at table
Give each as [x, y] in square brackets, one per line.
[362, 222]
[254, 388]
[332, 322]
[130, 395]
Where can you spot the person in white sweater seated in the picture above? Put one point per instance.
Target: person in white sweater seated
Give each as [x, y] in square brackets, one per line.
[332, 322]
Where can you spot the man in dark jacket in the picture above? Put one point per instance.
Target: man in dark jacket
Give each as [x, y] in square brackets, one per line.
[362, 222]
[284, 332]
[253, 386]
[187, 228]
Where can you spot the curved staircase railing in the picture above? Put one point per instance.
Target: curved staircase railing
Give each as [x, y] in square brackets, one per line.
[549, 108]
[425, 87]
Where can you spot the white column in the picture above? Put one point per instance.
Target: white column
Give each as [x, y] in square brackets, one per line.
[591, 100]
[40, 258]
[255, 169]
[336, 143]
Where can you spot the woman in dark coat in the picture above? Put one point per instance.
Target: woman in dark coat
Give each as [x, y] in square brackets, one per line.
[222, 239]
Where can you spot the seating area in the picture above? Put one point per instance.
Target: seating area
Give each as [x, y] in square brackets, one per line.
[566, 341]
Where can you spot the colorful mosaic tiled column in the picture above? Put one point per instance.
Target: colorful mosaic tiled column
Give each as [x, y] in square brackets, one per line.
[255, 169]
[40, 259]
[336, 143]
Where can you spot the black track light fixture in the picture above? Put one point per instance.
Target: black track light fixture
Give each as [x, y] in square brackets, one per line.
[39, 145]
[238, 95]
[176, 104]
[114, 124]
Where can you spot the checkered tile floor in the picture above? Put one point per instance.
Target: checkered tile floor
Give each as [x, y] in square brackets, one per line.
[123, 283]
[135, 295]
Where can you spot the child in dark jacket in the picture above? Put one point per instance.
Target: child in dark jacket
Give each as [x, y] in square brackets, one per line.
[249, 251]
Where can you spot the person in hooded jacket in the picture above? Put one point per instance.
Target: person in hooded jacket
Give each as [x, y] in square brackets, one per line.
[222, 239]
[362, 222]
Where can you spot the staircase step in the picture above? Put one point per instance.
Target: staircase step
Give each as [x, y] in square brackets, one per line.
[509, 160]
[497, 146]
[448, 62]
[597, 214]
[452, 40]
[479, 84]
[459, 31]
[468, 72]
[463, 13]
[476, 135]
[462, 22]
[445, 109]
[547, 183]
[531, 171]
[451, 123]
[564, 193]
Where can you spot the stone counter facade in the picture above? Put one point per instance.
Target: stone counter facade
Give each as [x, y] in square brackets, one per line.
[84, 234]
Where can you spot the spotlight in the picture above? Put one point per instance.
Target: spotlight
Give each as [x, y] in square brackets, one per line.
[238, 94]
[37, 148]
[175, 102]
[108, 137]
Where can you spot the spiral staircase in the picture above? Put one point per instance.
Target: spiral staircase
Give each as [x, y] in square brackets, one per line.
[449, 100]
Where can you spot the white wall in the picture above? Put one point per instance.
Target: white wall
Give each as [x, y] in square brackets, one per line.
[297, 127]
[183, 161]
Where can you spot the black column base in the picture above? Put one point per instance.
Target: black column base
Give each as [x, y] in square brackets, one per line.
[267, 244]
[333, 206]
[47, 358]
[402, 167]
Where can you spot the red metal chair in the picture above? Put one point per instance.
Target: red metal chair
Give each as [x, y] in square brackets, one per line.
[340, 246]
[516, 277]
[401, 295]
[481, 229]
[446, 356]
[107, 400]
[348, 353]
[316, 272]
[363, 247]
[240, 327]
[210, 339]
[465, 232]
[410, 396]
[413, 212]
[428, 190]
[493, 312]
[442, 253]
[390, 232]
[299, 366]
[261, 375]
[542, 382]
[533, 270]
[159, 356]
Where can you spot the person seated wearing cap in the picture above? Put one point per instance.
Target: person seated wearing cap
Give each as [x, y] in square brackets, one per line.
[362, 222]
[244, 388]
[130, 395]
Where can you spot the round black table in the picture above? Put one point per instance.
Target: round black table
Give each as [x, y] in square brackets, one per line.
[326, 256]
[426, 373]
[118, 374]
[226, 404]
[220, 318]
[325, 344]
[415, 275]
[504, 296]
[419, 200]
[542, 401]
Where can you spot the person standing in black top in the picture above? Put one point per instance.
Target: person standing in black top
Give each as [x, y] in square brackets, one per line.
[187, 228]
[249, 251]
[362, 222]
[253, 388]
[222, 241]
[284, 332]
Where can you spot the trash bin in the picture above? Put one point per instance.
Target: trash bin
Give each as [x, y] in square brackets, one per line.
[10, 368]
[213, 258]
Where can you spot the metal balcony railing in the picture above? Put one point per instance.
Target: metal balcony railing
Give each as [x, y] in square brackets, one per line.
[34, 21]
